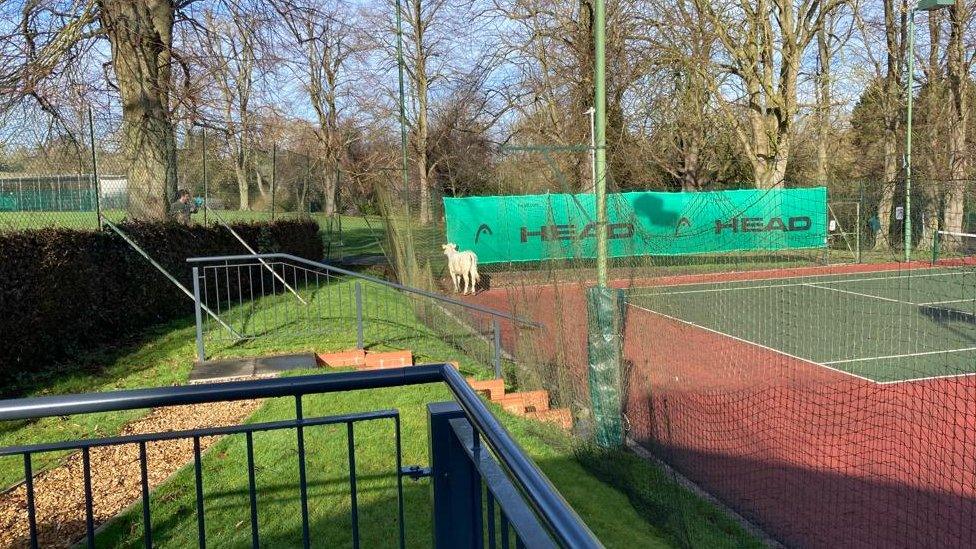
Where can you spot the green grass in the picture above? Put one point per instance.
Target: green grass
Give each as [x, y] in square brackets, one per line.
[885, 326]
[392, 321]
[166, 355]
[611, 513]
[162, 358]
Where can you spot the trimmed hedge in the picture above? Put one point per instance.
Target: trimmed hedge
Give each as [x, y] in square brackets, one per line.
[64, 291]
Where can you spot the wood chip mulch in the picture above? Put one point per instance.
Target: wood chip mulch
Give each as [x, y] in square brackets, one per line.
[115, 475]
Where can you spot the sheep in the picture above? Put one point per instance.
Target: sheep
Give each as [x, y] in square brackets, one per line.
[463, 266]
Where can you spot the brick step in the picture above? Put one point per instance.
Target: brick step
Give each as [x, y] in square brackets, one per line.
[560, 416]
[343, 359]
[492, 389]
[391, 359]
[527, 401]
[365, 360]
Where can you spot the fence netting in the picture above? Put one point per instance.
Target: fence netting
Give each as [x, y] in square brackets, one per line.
[65, 174]
[822, 390]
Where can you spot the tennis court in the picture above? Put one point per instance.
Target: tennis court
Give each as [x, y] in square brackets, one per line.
[886, 326]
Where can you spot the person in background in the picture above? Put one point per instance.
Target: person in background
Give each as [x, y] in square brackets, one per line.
[183, 207]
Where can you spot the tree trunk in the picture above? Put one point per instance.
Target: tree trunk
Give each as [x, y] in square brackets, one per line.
[823, 104]
[331, 191]
[891, 104]
[259, 181]
[887, 198]
[141, 35]
[240, 172]
[958, 74]
[770, 158]
[691, 172]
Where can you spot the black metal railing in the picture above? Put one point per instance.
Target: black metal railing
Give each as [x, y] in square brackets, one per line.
[478, 470]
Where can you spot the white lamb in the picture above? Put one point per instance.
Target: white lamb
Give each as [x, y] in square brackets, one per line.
[463, 266]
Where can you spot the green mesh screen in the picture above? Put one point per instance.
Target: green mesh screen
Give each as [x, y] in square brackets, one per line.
[561, 226]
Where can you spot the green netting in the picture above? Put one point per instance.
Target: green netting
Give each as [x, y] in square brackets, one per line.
[605, 314]
[561, 226]
[44, 200]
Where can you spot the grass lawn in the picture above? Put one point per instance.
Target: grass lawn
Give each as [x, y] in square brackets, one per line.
[166, 354]
[163, 357]
[682, 519]
[328, 322]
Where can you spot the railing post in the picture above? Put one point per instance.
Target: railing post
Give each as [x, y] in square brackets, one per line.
[453, 476]
[497, 340]
[198, 310]
[360, 343]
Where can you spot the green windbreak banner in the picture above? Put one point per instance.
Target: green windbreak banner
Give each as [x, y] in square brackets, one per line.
[561, 226]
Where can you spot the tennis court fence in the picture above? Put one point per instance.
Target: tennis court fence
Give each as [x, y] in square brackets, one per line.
[833, 406]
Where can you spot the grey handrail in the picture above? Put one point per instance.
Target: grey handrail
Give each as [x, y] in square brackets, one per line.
[316, 264]
[564, 523]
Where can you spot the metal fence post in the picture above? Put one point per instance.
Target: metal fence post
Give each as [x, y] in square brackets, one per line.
[206, 189]
[274, 177]
[453, 476]
[94, 162]
[860, 202]
[497, 351]
[201, 352]
[360, 343]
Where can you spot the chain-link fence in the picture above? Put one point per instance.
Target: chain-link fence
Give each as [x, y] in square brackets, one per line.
[69, 177]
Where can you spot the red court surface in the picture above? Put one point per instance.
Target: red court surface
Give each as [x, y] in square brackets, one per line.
[815, 457]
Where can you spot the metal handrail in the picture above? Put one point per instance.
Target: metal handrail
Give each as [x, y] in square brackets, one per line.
[316, 264]
[564, 523]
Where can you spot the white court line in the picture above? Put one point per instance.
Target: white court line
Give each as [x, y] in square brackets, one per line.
[926, 272]
[814, 285]
[906, 355]
[760, 345]
[971, 299]
[927, 378]
[951, 233]
[763, 286]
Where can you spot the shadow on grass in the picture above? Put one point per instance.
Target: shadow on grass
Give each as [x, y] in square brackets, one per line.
[88, 370]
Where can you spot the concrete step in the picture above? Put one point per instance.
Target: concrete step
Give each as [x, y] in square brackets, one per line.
[560, 416]
[492, 389]
[240, 368]
[523, 402]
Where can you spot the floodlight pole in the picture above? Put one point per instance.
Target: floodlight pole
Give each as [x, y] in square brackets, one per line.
[922, 5]
[600, 138]
[592, 114]
[909, 90]
[403, 112]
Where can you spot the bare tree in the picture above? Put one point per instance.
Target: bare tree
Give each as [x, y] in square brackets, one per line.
[140, 35]
[321, 39]
[958, 66]
[763, 43]
[229, 55]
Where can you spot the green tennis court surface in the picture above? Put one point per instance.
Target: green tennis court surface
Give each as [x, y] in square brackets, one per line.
[887, 326]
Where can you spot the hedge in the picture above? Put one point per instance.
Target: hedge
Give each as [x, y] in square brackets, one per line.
[65, 291]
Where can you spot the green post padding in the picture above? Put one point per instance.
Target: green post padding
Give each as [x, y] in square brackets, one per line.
[563, 226]
[605, 319]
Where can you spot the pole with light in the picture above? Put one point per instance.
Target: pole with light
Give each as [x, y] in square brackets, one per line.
[592, 114]
[923, 5]
[403, 111]
[604, 305]
[600, 137]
